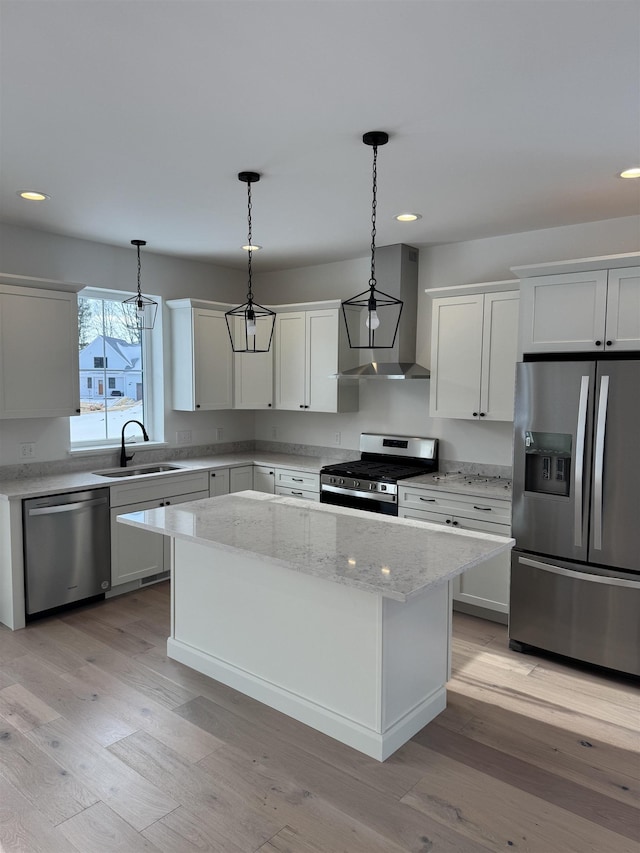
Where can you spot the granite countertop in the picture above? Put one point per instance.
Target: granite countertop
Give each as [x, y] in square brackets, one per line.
[49, 484]
[472, 485]
[398, 558]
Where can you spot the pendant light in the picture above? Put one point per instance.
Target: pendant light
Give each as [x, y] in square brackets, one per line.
[145, 308]
[250, 325]
[372, 317]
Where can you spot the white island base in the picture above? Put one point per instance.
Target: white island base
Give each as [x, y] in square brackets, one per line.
[362, 668]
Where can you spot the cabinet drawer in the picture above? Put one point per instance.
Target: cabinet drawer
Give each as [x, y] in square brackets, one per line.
[297, 493]
[170, 486]
[298, 479]
[467, 506]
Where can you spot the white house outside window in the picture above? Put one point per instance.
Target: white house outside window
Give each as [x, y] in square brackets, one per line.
[112, 356]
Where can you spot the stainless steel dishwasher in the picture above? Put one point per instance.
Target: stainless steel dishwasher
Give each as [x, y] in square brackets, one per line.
[67, 551]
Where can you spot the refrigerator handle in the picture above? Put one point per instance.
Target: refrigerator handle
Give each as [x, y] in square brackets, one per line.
[598, 462]
[578, 479]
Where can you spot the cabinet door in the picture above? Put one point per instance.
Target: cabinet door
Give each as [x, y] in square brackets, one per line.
[322, 360]
[456, 352]
[253, 372]
[212, 360]
[264, 479]
[39, 374]
[241, 479]
[135, 553]
[291, 371]
[563, 313]
[218, 482]
[499, 355]
[623, 310]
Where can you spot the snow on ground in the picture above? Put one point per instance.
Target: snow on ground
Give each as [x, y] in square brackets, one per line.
[101, 424]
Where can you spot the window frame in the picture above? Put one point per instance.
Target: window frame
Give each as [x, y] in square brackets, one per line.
[152, 390]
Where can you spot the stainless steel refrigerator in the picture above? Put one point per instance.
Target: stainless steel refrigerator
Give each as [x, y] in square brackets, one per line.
[575, 571]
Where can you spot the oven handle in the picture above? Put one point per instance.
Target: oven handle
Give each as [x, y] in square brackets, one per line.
[382, 497]
[583, 576]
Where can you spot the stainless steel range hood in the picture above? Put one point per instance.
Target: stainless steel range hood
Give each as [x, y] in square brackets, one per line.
[397, 275]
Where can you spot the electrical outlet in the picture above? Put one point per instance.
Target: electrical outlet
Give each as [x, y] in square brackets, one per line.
[183, 436]
[27, 450]
[219, 433]
[338, 438]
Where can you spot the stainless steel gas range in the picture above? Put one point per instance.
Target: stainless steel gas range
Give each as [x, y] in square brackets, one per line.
[371, 482]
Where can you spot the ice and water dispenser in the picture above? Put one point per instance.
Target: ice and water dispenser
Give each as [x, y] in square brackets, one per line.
[547, 462]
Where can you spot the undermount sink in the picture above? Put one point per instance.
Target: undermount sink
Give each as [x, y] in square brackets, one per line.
[138, 470]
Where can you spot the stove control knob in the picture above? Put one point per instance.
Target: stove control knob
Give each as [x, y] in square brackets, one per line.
[383, 488]
[372, 487]
[341, 481]
[356, 483]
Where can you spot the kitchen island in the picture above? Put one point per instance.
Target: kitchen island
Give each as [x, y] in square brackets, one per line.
[336, 617]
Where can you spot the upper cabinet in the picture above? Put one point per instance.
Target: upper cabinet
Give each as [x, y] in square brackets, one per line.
[202, 358]
[310, 348]
[474, 341]
[39, 373]
[253, 371]
[583, 310]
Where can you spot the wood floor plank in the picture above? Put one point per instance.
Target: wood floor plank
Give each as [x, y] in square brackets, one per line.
[584, 803]
[221, 811]
[140, 712]
[381, 812]
[100, 830]
[126, 792]
[49, 787]
[114, 637]
[23, 829]
[501, 816]
[23, 709]
[43, 680]
[184, 832]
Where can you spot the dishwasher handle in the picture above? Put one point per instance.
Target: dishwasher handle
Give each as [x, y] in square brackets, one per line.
[50, 510]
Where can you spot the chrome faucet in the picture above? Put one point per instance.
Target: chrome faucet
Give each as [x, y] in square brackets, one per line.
[123, 453]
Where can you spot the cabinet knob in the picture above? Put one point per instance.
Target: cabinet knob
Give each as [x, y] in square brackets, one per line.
[301, 406]
[168, 502]
[448, 521]
[77, 411]
[213, 474]
[197, 405]
[455, 523]
[598, 343]
[609, 343]
[475, 414]
[481, 414]
[269, 405]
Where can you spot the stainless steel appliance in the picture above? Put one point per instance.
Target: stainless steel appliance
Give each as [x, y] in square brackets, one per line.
[67, 552]
[370, 482]
[575, 573]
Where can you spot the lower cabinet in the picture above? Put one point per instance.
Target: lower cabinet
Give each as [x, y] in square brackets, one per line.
[223, 481]
[136, 553]
[264, 479]
[297, 484]
[485, 586]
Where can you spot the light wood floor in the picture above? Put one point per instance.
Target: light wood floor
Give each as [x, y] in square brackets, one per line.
[107, 745]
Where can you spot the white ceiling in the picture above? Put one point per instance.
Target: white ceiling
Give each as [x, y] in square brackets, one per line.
[135, 117]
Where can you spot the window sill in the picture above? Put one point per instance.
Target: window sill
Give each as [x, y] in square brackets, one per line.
[101, 449]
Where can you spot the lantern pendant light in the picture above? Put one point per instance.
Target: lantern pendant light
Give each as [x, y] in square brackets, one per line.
[250, 325]
[145, 308]
[372, 317]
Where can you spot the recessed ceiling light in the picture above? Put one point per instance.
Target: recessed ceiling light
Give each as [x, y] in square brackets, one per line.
[407, 217]
[634, 172]
[32, 195]
[254, 248]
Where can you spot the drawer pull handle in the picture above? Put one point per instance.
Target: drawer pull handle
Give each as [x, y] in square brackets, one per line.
[293, 492]
[483, 508]
[428, 500]
[298, 479]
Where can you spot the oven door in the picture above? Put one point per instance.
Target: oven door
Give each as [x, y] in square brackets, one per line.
[387, 504]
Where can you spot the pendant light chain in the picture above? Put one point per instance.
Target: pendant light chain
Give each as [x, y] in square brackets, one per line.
[250, 244]
[139, 278]
[374, 205]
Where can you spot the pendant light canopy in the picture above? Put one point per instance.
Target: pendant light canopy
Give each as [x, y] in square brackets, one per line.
[372, 317]
[250, 325]
[145, 308]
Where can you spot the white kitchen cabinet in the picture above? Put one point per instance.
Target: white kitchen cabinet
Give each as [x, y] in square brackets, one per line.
[474, 344]
[487, 585]
[297, 484]
[137, 553]
[201, 355]
[310, 348]
[39, 375]
[241, 478]
[264, 479]
[253, 371]
[581, 311]
[218, 482]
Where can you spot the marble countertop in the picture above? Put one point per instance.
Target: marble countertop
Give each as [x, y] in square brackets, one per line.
[49, 484]
[398, 558]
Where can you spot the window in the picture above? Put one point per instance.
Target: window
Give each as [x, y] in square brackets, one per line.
[108, 334]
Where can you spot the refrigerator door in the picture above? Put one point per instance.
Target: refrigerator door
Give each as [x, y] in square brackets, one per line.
[552, 457]
[615, 518]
